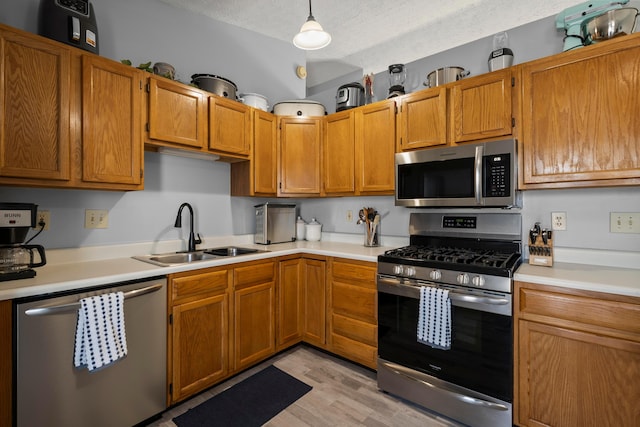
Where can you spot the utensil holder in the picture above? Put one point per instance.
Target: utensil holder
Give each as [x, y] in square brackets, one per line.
[371, 235]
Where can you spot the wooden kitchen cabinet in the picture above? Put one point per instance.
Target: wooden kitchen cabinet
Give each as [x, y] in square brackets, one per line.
[35, 103]
[258, 176]
[299, 155]
[481, 107]
[314, 301]
[198, 331]
[69, 118]
[580, 117]
[177, 114]
[577, 357]
[229, 128]
[254, 313]
[290, 309]
[423, 119]
[112, 140]
[353, 321]
[338, 153]
[375, 148]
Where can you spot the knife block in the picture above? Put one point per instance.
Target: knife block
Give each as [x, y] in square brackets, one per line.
[541, 253]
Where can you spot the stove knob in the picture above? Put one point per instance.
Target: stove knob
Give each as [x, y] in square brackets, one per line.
[435, 275]
[410, 272]
[463, 279]
[478, 281]
[398, 270]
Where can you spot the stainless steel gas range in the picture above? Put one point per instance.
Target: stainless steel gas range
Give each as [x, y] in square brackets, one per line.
[473, 257]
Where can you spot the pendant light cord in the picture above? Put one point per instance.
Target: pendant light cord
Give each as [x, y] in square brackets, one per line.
[310, 14]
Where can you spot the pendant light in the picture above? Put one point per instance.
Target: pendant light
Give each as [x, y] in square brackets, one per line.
[311, 35]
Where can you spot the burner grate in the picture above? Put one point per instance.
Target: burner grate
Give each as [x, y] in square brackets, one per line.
[476, 257]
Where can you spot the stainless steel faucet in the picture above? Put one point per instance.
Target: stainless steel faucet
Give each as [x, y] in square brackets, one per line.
[192, 239]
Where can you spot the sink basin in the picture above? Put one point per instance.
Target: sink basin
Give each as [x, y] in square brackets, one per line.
[175, 258]
[230, 251]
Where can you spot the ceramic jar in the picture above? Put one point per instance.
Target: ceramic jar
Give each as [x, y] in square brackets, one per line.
[313, 230]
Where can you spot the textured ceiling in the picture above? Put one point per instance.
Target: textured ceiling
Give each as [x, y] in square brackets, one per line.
[372, 34]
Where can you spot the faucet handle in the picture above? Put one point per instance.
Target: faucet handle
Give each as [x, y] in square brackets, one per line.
[198, 240]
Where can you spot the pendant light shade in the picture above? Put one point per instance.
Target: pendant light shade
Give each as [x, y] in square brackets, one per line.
[311, 35]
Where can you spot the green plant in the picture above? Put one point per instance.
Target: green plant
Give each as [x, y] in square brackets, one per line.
[146, 66]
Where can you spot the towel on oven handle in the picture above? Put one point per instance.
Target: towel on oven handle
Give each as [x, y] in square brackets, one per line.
[434, 319]
[100, 333]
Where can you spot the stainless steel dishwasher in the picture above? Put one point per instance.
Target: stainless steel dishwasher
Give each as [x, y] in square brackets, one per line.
[51, 392]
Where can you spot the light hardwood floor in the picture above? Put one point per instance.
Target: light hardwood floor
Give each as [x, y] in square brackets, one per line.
[344, 394]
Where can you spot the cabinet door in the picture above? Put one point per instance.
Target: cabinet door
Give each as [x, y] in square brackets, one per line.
[423, 119]
[112, 141]
[254, 313]
[290, 298]
[299, 154]
[177, 113]
[481, 107]
[580, 117]
[35, 94]
[200, 339]
[229, 126]
[338, 153]
[573, 379]
[315, 307]
[375, 148]
[265, 160]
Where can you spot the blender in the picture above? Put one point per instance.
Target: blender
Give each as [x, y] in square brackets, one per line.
[397, 76]
[17, 259]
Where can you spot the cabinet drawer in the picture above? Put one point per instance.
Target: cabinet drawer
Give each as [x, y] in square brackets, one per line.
[197, 285]
[350, 270]
[589, 310]
[354, 350]
[355, 329]
[254, 273]
[354, 301]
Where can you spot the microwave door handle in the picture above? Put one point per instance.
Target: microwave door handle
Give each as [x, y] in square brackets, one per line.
[477, 175]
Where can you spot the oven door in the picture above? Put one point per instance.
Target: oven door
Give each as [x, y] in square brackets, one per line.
[481, 353]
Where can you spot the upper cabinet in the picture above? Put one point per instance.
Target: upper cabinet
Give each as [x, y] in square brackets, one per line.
[423, 119]
[229, 127]
[35, 99]
[177, 113]
[299, 156]
[112, 141]
[338, 149]
[69, 118]
[580, 117]
[375, 148]
[467, 110]
[481, 107]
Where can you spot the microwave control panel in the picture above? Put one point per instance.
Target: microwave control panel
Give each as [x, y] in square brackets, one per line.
[497, 175]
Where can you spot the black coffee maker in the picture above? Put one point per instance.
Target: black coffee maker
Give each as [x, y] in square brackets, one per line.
[17, 259]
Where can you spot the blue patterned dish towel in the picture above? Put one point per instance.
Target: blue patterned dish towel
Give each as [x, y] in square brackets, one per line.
[434, 320]
[100, 333]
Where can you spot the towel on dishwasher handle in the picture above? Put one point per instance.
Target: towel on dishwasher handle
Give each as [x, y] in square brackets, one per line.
[100, 333]
[434, 320]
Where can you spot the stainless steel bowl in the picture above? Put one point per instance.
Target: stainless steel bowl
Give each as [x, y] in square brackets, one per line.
[616, 22]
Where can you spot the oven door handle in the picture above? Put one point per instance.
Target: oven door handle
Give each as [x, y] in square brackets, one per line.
[397, 369]
[396, 287]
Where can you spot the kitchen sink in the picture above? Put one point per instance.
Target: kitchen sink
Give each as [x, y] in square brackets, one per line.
[175, 258]
[230, 251]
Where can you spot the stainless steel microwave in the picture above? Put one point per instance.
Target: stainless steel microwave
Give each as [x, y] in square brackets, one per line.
[469, 175]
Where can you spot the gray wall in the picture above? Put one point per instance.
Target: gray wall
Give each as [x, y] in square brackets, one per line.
[145, 30]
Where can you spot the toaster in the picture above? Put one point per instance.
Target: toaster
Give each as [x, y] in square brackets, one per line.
[275, 223]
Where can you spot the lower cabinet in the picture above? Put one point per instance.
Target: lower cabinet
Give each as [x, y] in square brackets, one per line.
[199, 331]
[290, 297]
[353, 328]
[314, 302]
[577, 358]
[254, 313]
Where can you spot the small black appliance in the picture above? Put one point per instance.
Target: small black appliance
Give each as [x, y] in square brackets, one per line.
[350, 95]
[397, 76]
[69, 21]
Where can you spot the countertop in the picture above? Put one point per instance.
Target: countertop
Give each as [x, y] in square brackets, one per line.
[75, 269]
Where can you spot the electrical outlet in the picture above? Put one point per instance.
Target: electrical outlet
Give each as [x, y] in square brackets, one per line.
[624, 222]
[349, 216]
[94, 218]
[43, 216]
[558, 220]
